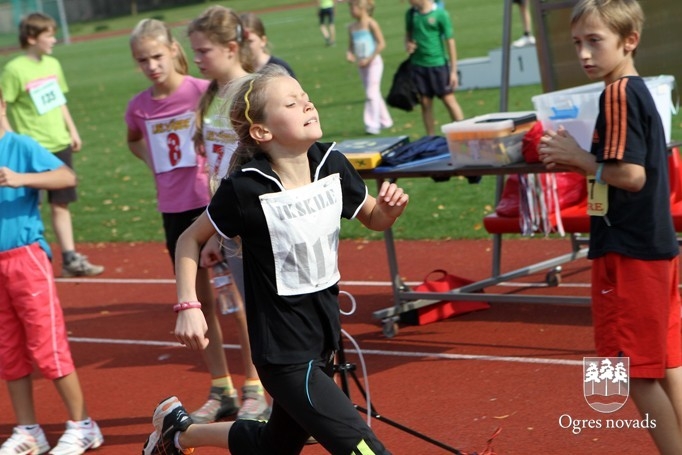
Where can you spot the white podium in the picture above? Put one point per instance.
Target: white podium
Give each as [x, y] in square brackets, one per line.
[486, 72]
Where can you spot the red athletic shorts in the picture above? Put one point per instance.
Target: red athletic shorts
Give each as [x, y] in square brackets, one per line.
[636, 312]
[32, 326]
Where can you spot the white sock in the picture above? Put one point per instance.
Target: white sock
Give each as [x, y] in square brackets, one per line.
[176, 440]
[87, 423]
[33, 429]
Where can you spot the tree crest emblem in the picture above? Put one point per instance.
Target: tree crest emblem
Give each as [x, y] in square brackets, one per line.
[606, 382]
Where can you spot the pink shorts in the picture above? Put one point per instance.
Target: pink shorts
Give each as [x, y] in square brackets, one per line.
[31, 319]
[636, 313]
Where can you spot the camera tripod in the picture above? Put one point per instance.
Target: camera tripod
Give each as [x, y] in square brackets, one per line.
[344, 369]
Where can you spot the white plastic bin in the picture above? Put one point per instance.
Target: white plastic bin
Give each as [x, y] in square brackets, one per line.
[577, 108]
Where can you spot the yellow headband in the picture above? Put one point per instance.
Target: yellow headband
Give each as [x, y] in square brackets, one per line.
[248, 105]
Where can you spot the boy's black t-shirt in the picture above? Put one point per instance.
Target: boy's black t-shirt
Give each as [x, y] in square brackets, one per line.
[290, 251]
[629, 129]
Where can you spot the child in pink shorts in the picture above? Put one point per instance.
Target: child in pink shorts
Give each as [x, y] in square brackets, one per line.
[33, 330]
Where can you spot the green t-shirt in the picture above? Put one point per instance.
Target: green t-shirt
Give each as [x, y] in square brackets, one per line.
[34, 92]
[429, 31]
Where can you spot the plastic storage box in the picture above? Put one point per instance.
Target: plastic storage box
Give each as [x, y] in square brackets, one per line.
[576, 108]
[489, 140]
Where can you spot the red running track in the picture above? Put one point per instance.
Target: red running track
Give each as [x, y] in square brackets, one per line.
[514, 366]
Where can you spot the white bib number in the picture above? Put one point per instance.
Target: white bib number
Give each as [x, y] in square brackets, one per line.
[220, 144]
[46, 95]
[170, 142]
[304, 228]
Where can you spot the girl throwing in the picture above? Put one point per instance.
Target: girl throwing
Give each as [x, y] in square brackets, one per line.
[285, 197]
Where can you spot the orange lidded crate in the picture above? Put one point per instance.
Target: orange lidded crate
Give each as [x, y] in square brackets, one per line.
[488, 140]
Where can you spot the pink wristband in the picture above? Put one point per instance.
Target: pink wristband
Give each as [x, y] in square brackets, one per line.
[186, 306]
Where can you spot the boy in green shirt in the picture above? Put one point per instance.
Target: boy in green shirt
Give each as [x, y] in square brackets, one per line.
[431, 44]
[33, 85]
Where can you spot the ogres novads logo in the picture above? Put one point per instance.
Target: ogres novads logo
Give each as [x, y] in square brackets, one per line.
[606, 384]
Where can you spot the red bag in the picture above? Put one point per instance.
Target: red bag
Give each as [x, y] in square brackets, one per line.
[571, 190]
[530, 143]
[441, 281]
[509, 199]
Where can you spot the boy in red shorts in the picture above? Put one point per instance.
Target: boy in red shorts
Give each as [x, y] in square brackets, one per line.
[633, 245]
[33, 330]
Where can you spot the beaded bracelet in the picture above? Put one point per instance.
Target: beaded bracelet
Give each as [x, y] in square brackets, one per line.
[186, 306]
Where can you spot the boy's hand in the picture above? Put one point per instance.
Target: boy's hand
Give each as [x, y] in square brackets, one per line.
[454, 79]
[76, 143]
[392, 200]
[560, 148]
[9, 178]
[410, 47]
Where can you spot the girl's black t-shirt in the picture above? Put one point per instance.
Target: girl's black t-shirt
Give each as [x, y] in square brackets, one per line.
[290, 246]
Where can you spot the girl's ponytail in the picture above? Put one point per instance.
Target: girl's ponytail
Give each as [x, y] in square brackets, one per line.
[180, 63]
[202, 109]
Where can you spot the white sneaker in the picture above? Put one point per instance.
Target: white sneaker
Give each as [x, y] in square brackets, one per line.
[25, 442]
[218, 406]
[76, 439]
[525, 40]
[254, 405]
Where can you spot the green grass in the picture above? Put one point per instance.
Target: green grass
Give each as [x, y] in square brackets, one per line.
[117, 194]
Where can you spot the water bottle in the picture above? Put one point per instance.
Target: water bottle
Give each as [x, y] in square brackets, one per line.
[227, 295]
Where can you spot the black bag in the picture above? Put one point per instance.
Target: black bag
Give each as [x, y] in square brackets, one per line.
[403, 93]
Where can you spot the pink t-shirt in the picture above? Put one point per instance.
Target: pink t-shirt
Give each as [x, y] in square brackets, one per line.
[168, 125]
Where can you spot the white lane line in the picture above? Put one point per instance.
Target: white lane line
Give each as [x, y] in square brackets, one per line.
[386, 284]
[172, 281]
[116, 280]
[414, 354]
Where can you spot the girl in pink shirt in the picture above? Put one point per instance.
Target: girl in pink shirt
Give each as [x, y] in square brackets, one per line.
[161, 124]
